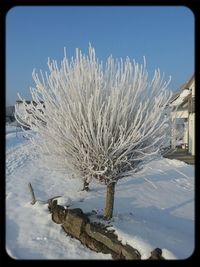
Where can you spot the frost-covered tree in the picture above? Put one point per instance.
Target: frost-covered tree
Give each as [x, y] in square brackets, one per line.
[102, 122]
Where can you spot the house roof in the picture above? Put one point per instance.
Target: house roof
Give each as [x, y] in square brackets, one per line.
[28, 102]
[188, 83]
[20, 101]
[183, 94]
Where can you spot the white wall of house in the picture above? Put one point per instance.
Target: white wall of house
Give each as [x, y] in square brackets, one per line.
[180, 114]
[193, 88]
[19, 107]
[191, 144]
[185, 138]
[191, 126]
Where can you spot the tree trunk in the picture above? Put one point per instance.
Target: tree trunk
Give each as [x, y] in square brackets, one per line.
[85, 186]
[108, 212]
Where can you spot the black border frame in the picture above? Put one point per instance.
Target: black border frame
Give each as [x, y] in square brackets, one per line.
[5, 6]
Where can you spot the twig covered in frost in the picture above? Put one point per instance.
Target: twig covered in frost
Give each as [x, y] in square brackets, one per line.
[102, 122]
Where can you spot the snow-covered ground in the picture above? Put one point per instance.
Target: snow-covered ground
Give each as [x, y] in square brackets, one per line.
[154, 209]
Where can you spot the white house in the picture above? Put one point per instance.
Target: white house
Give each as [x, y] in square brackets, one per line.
[183, 133]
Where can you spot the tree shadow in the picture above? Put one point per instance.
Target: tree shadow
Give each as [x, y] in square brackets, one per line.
[167, 175]
[157, 226]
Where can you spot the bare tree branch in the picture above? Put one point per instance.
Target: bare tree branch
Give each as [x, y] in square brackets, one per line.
[102, 122]
[32, 194]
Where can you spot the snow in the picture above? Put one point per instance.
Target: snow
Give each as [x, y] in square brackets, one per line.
[181, 97]
[155, 209]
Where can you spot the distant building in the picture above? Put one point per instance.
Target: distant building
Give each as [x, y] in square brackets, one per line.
[10, 114]
[183, 134]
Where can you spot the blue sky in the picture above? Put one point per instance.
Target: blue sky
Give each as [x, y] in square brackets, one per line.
[164, 35]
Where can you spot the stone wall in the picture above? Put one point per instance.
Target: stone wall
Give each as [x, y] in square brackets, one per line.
[95, 236]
